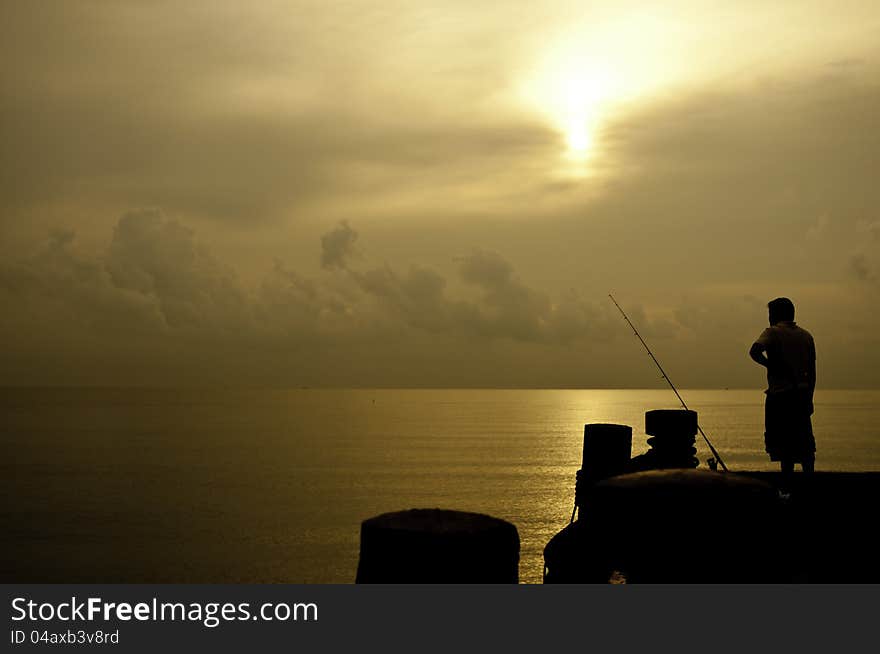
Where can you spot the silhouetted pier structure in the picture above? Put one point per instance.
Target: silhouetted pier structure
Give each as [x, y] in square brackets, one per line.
[652, 518]
[700, 526]
[660, 520]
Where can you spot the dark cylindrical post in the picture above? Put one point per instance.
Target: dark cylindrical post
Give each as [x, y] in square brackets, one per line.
[607, 449]
[434, 546]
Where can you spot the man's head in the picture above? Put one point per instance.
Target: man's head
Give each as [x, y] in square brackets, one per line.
[781, 309]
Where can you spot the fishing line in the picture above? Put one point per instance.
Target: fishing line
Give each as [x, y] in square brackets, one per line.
[668, 381]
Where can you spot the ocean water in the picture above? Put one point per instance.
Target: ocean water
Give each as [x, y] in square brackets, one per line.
[134, 485]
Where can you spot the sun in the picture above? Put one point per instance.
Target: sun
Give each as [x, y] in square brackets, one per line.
[588, 74]
[575, 97]
[577, 100]
[578, 138]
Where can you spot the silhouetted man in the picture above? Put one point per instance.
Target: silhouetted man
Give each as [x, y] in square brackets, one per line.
[789, 354]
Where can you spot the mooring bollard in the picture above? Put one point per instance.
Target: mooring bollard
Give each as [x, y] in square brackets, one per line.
[607, 449]
[672, 440]
[437, 546]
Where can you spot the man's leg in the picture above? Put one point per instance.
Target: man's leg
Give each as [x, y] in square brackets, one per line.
[808, 464]
[785, 479]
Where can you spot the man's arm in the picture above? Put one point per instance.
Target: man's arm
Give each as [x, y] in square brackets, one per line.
[758, 356]
[812, 374]
[812, 370]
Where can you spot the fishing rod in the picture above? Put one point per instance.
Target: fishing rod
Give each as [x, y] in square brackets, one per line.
[668, 381]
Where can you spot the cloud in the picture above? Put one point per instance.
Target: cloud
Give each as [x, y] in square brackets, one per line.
[859, 266]
[161, 259]
[123, 103]
[509, 307]
[337, 246]
[257, 133]
[871, 228]
[157, 307]
[503, 308]
[864, 253]
[818, 230]
[57, 296]
[156, 290]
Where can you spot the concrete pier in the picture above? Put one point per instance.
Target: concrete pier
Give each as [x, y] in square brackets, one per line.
[679, 526]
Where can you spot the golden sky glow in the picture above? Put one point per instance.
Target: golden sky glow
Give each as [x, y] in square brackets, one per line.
[482, 174]
[584, 73]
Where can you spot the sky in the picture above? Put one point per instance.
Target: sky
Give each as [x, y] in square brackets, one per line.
[435, 194]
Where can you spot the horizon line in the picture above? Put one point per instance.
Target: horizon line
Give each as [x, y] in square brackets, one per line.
[395, 388]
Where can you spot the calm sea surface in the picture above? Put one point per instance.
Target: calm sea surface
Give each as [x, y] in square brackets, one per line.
[271, 486]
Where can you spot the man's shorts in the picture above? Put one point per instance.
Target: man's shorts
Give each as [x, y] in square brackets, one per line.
[788, 430]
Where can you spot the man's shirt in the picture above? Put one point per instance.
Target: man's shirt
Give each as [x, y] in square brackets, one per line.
[792, 356]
